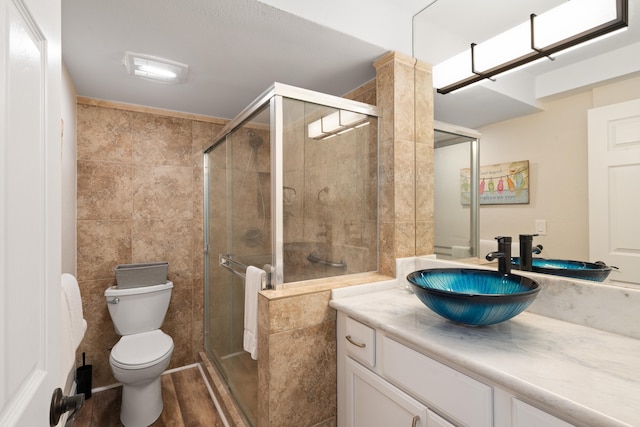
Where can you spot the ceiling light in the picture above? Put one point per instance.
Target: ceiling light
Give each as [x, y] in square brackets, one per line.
[314, 129]
[570, 24]
[336, 123]
[331, 123]
[155, 69]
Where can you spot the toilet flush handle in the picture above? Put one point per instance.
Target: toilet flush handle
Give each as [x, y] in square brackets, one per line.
[116, 300]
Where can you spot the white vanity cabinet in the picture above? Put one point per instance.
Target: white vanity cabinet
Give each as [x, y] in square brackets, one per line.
[384, 383]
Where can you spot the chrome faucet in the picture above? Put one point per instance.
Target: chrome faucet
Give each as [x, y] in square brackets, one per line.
[503, 254]
[527, 250]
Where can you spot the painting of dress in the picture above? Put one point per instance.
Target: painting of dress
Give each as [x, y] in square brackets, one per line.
[500, 184]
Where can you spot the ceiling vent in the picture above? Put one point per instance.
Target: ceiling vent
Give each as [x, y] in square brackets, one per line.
[155, 69]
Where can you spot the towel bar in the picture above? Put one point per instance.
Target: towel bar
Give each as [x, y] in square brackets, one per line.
[239, 269]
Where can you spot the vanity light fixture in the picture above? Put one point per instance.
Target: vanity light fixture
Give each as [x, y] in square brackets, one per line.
[154, 68]
[336, 123]
[570, 24]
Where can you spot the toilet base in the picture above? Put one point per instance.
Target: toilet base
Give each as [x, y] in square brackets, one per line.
[141, 404]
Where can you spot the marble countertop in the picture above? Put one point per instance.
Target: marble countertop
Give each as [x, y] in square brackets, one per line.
[589, 375]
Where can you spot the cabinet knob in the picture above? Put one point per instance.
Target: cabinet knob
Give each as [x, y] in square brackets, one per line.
[414, 423]
[357, 344]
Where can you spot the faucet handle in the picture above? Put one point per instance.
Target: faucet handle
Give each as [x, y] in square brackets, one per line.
[503, 239]
[527, 237]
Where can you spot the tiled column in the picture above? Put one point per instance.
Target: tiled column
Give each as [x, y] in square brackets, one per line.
[424, 159]
[405, 94]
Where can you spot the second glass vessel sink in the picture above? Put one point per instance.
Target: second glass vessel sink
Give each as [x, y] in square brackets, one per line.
[594, 271]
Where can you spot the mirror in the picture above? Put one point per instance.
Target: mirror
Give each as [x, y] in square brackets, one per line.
[456, 171]
[540, 115]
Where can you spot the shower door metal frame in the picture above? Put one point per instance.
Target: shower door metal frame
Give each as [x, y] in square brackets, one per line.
[275, 97]
[474, 163]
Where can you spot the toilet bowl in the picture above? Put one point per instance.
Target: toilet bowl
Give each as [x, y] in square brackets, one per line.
[143, 352]
[137, 362]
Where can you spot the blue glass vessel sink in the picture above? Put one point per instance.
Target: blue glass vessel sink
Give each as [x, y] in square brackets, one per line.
[472, 296]
[594, 271]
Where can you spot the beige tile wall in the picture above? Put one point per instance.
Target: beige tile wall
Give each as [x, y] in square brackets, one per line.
[140, 180]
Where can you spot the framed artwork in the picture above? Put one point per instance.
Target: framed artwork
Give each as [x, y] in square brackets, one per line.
[500, 184]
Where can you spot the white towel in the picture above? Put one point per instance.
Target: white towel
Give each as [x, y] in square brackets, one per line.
[71, 292]
[253, 285]
[67, 351]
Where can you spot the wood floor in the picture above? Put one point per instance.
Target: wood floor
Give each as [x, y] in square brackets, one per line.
[187, 403]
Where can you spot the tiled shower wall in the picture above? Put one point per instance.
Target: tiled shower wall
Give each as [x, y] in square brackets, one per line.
[140, 180]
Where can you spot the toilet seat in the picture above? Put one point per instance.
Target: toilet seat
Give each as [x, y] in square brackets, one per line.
[139, 351]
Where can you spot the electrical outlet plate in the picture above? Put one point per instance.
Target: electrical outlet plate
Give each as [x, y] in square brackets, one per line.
[541, 227]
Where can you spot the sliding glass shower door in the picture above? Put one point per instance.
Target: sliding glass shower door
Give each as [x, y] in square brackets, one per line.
[239, 228]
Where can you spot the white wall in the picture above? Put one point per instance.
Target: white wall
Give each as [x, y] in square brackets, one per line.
[555, 143]
[69, 167]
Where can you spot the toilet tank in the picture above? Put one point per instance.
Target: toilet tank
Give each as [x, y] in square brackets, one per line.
[136, 310]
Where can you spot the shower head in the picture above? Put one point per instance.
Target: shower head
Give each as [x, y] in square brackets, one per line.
[255, 141]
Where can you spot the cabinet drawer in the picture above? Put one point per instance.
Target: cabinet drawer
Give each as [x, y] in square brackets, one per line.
[463, 399]
[360, 342]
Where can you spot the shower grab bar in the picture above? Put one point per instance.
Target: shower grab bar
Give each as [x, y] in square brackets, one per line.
[239, 269]
[313, 258]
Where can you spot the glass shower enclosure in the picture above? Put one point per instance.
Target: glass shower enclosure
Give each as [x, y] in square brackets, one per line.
[291, 186]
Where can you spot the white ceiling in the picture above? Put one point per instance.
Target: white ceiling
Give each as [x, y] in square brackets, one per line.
[237, 48]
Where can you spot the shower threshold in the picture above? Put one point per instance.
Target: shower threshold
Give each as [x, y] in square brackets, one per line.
[228, 356]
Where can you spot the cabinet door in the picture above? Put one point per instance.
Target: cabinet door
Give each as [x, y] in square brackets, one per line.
[435, 420]
[373, 402]
[525, 415]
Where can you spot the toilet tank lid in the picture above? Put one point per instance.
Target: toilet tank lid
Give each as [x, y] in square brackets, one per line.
[114, 291]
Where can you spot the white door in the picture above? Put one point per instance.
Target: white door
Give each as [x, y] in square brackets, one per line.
[614, 188]
[30, 101]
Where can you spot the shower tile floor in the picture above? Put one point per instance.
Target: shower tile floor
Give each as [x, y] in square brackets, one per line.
[187, 402]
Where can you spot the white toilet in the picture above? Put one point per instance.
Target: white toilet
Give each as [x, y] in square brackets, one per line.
[143, 352]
